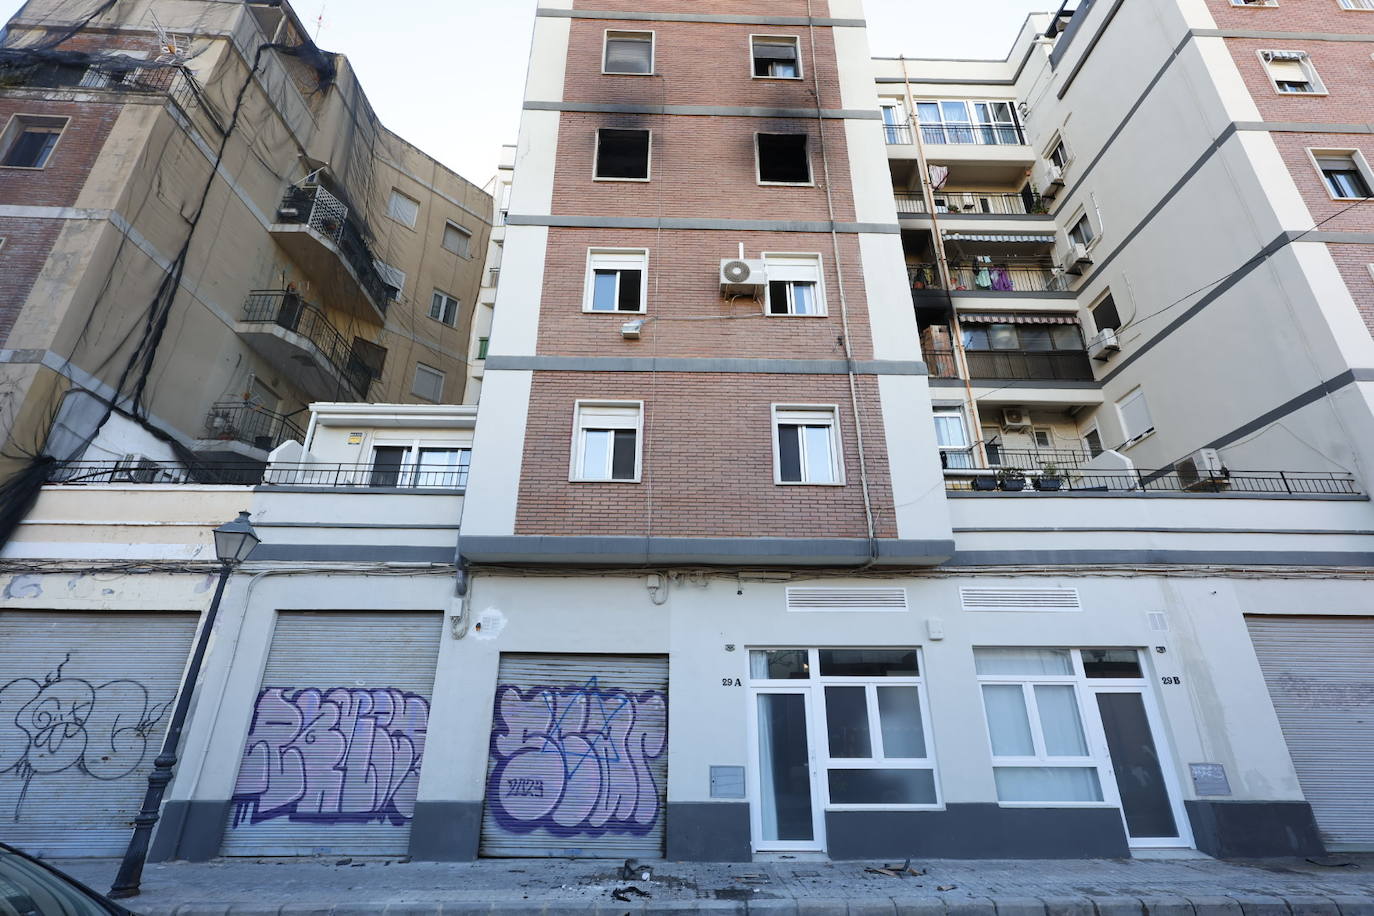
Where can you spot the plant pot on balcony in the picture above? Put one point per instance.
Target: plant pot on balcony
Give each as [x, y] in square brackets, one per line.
[1049, 484]
[985, 484]
[1011, 480]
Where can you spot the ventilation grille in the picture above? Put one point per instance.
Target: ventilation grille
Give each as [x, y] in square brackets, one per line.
[1158, 621]
[846, 599]
[1020, 599]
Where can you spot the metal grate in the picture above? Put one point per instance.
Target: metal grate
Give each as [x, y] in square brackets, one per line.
[846, 599]
[1020, 599]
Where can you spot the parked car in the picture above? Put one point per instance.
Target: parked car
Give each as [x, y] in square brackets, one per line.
[29, 887]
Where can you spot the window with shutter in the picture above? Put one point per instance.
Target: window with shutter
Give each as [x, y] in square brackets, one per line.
[1135, 415]
[606, 444]
[629, 53]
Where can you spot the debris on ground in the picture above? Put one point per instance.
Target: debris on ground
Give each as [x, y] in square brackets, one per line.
[623, 893]
[1332, 863]
[344, 862]
[633, 871]
[902, 870]
[947, 887]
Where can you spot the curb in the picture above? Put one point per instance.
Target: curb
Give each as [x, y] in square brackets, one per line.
[1305, 905]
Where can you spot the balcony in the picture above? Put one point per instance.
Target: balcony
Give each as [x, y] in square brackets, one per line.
[1139, 482]
[898, 134]
[1007, 276]
[972, 134]
[255, 473]
[315, 228]
[298, 339]
[997, 457]
[1014, 365]
[246, 429]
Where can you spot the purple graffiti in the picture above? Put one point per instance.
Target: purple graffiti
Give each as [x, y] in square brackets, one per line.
[575, 760]
[67, 725]
[337, 756]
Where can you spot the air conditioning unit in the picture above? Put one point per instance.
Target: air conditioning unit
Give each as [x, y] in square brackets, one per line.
[1024, 109]
[742, 278]
[1103, 345]
[1078, 259]
[1202, 470]
[1015, 418]
[1054, 182]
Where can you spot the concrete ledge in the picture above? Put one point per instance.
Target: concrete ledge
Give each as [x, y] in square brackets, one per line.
[190, 831]
[445, 831]
[708, 832]
[638, 551]
[977, 831]
[1255, 829]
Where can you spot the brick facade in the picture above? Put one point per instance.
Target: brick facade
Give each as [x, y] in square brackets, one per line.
[707, 459]
[59, 182]
[1293, 16]
[22, 256]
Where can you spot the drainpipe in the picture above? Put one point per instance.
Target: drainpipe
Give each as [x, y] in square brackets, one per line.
[942, 267]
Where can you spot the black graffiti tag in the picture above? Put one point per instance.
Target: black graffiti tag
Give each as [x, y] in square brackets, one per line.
[69, 725]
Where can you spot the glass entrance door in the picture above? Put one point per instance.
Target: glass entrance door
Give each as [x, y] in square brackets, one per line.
[1148, 802]
[787, 817]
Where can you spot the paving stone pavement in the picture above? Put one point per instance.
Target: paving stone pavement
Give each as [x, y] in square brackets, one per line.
[1340, 886]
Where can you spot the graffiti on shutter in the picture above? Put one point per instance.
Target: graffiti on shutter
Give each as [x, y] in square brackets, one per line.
[576, 760]
[335, 756]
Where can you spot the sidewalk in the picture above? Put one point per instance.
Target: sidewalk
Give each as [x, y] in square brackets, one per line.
[1130, 887]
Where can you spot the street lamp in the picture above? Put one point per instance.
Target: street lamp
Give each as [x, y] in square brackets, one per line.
[234, 541]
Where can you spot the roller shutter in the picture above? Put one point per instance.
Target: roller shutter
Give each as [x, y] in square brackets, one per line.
[332, 760]
[84, 705]
[1320, 673]
[579, 757]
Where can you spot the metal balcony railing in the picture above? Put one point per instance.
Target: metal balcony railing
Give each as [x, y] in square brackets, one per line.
[255, 473]
[251, 424]
[287, 310]
[1139, 481]
[972, 134]
[898, 134]
[312, 205]
[911, 202]
[989, 202]
[1014, 365]
[1036, 459]
[1001, 277]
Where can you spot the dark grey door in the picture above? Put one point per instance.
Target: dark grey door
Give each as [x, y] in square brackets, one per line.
[1135, 758]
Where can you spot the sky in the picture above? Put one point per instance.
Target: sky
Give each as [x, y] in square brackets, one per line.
[448, 75]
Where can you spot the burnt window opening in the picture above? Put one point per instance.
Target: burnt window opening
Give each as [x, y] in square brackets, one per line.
[622, 154]
[777, 58]
[29, 140]
[783, 159]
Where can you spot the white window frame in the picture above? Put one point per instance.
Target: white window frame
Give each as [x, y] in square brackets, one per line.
[1368, 8]
[1136, 393]
[14, 128]
[794, 262]
[1304, 61]
[395, 217]
[1097, 759]
[443, 380]
[758, 162]
[808, 415]
[615, 259]
[966, 450]
[1092, 311]
[1080, 216]
[1253, 3]
[776, 39]
[1058, 142]
[466, 235]
[598, 415]
[1087, 447]
[407, 473]
[648, 165]
[447, 300]
[1356, 157]
[901, 121]
[653, 50]
[818, 733]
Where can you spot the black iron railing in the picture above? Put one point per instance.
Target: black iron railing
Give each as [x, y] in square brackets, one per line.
[287, 310]
[910, 202]
[251, 473]
[1282, 483]
[251, 424]
[992, 279]
[314, 206]
[1034, 459]
[989, 202]
[977, 134]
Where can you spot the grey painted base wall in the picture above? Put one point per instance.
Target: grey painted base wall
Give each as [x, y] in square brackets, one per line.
[708, 832]
[978, 831]
[190, 831]
[445, 831]
[1255, 829]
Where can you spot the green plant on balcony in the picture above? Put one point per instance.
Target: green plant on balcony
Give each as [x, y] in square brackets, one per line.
[1049, 480]
[1038, 205]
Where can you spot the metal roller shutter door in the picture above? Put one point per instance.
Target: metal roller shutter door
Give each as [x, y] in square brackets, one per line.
[332, 760]
[1320, 673]
[84, 704]
[579, 757]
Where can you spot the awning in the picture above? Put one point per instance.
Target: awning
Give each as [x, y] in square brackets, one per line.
[995, 239]
[1017, 318]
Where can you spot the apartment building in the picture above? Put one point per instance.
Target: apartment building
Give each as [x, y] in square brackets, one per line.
[486, 298]
[725, 564]
[204, 223]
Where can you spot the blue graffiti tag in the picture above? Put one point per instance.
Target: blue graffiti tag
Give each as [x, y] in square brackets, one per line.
[576, 760]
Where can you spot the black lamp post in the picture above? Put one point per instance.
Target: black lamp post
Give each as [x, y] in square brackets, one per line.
[234, 541]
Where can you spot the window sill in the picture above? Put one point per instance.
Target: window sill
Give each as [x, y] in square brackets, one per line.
[786, 184]
[25, 168]
[790, 315]
[598, 480]
[786, 79]
[630, 180]
[1058, 804]
[624, 73]
[806, 483]
[1321, 94]
[1132, 443]
[612, 314]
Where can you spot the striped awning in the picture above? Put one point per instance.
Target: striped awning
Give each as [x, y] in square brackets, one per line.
[1017, 318]
[997, 239]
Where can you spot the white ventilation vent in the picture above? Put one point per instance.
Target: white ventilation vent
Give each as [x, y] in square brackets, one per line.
[1158, 622]
[1020, 599]
[846, 599]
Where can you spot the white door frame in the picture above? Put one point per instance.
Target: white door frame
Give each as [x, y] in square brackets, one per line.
[817, 844]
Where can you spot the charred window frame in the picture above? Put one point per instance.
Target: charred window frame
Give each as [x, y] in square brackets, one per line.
[623, 155]
[783, 158]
